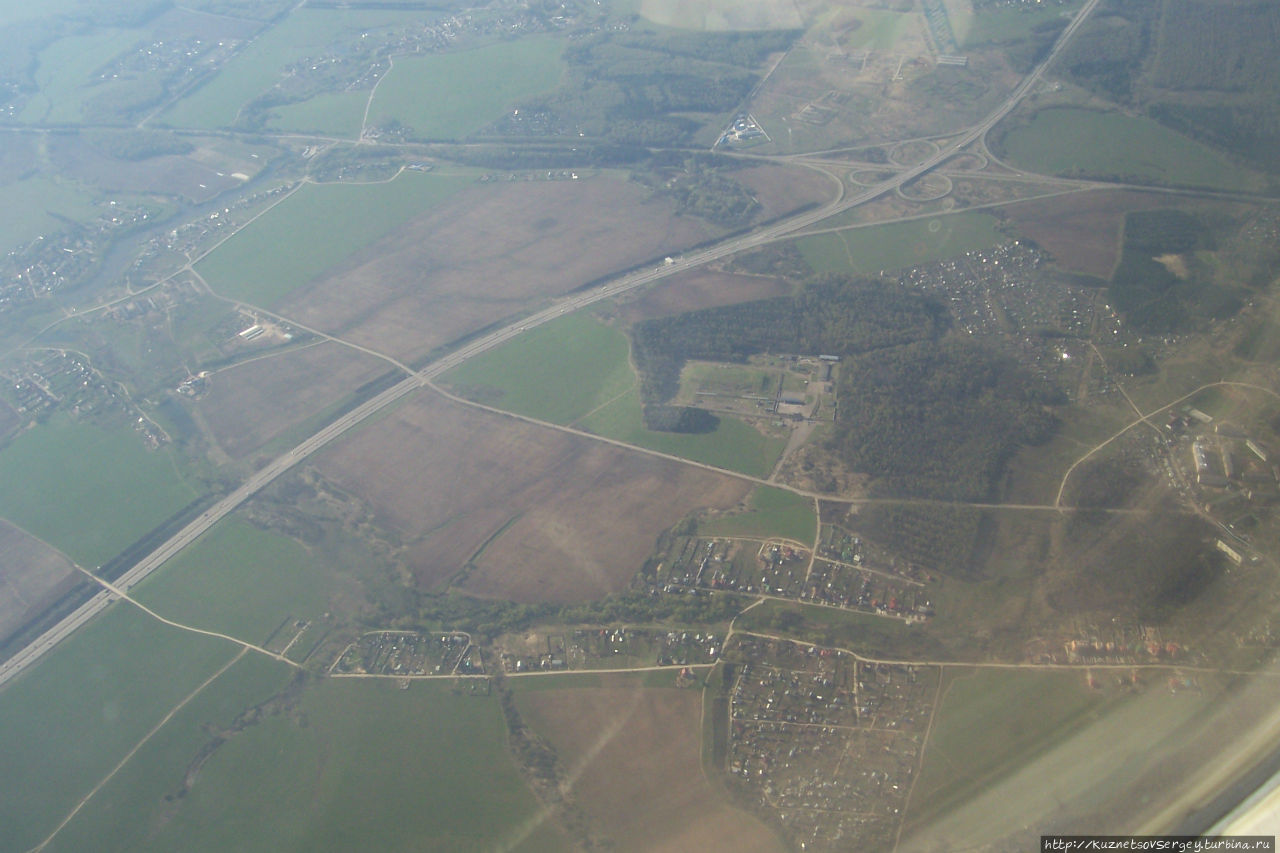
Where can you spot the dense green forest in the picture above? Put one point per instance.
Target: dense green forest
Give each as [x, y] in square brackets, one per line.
[830, 314]
[1153, 298]
[1107, 55]
[1226, 59]
[642, 87]
[1202, 67]
[938, 419]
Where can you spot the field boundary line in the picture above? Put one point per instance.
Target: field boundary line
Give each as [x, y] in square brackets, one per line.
[120, 765]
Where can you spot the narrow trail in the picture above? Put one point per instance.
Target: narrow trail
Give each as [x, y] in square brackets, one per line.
[1145, 419]
[244, 644]
[128, 755]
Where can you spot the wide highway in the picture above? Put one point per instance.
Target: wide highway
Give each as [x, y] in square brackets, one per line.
[609, 289]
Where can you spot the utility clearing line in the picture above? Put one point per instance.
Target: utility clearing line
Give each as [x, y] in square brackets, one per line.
[128, 755]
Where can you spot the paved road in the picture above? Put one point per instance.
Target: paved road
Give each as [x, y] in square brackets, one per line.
[610, 289]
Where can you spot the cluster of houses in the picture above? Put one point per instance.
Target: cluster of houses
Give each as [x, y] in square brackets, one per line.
[825, 743]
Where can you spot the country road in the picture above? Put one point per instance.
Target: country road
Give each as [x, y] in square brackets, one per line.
[607, 290]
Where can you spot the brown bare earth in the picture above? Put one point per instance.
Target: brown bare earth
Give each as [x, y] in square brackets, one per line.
[782, 189]
[571, 519]
[633, 757]
[701, 288]
[251, 403]
[32, 576]
[1083, 231]
[487, 254]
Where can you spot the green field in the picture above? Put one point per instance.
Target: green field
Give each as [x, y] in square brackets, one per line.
[132, 805]
[997, 25]
[88, 491]
[357, 765]
[864, 633]
[992, 721]
[878, 29]
[65, 724]
[333, 113]
[40, 205]
[1078, 142]
[867, 251]
[734, 445]
[305, 32]
[241, 580]
[556, 372]
[64, 70]
[12, 11]
[771, 512]
[451, 95]
[315, 228]
[724, 378]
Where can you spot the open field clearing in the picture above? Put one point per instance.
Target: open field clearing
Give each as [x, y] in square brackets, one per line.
[89, 492]
[1090, 771]
[333, 113]
[37, 205]
[448, 479]
[868, 251]
[1078, 143]
[487, 254]
[770, 513]
[12, 11]
[249, 404]
[782, 189]
[625, 745]
[317, 227]
[452, 95]
[996, 24]
[722, 14]
[63, 72]
[304, 32]
[246, 582]
[356, 764]
[72, 719]
[734, 445]
[875, 29]
[831, 91]
[699, 288]
[558, 372]
[197, 176]
[131, 811]
[992, 721]
[31, 576]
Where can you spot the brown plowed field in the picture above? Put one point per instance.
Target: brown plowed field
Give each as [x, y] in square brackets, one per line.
[249, 404]
[576, 518]
[31, 575]
[633, 756]
[782, 189]
[486, 254]
[701, 288]
[1082, 231]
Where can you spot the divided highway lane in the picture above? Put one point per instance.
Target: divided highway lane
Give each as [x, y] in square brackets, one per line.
[261, 478]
